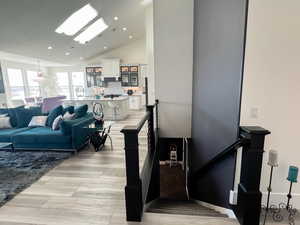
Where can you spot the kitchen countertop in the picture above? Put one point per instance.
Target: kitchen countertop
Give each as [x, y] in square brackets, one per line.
[121, 98]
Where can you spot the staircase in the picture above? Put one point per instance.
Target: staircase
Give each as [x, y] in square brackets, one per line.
[175, 200]
[181, 207]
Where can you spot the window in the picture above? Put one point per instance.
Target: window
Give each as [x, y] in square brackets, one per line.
[33, 84]
[63, 83]
[16, 83]
[78, 84]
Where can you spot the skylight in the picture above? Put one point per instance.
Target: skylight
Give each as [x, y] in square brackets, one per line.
[77, 20]
[92, 31]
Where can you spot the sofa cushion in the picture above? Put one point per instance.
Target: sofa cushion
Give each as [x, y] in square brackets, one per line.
[12, 114]
[81, 111]
[37, 110]
[68, 116]
[41, 135]
[53, 114]
[69, 109]
[66, 125]
[6, 134]
[24, 116]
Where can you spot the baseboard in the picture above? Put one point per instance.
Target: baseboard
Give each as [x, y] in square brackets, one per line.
[277, 198]
[219, 209]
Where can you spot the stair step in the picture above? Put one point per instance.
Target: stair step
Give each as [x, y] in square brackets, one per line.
[167, 206]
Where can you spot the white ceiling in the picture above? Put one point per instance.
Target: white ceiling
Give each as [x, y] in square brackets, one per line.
[27, 28]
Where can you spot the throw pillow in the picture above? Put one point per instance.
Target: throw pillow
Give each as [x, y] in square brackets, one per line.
[24, 116]
[38, 121]
[3, 115]
[12, 114]
[37, 110]
[81, 111]
[69, 109]
[53, 114]
[68, 116]
[57, 122]
[5, 123]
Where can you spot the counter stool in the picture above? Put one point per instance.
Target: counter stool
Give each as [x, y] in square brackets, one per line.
[115, 108]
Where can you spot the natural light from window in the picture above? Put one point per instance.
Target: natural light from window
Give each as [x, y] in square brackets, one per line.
[62, 80]
[78, 84]
[77, 20]
[92, 31]
[16, 83]
[33, 84]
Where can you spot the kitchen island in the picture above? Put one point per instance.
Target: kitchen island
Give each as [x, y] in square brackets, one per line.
[116, 108]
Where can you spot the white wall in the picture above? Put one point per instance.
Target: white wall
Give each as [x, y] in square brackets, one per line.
[150, 52]
[272, 85]
[134, 52]
[173, 62]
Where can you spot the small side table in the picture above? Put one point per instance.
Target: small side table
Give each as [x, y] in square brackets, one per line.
[6, 145]
[103, 132]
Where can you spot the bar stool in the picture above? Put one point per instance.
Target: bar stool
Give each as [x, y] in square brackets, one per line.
[115, 108]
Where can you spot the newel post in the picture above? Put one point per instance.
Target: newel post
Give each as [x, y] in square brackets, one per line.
[249, 195]
[133, 188]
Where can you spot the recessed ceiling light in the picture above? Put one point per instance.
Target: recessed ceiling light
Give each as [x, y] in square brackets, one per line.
[67, 53]
[105, 47]
[50, 48]
[92, 31]
[81, 58]
[124, 28]
[116, 18]
[130, 36]
[77, 20]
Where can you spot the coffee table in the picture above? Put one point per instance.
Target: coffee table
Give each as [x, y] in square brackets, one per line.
[6, 145]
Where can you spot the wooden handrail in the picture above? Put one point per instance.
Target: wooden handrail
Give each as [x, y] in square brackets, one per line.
[227, 151]
[139, 126]
[141, 187]
[249, 196]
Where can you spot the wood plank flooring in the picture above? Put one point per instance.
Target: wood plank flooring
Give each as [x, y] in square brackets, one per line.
[88, 189]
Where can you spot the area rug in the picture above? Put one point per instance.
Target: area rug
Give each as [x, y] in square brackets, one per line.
[18, 170]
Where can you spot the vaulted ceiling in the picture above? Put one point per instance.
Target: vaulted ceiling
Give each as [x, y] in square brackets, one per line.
[27, 27]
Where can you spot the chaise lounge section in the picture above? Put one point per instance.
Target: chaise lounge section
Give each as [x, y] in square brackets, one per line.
[71, 137]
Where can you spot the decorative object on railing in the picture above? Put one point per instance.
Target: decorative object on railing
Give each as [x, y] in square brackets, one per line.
[278, 213]
[98, 114]
[273, 162]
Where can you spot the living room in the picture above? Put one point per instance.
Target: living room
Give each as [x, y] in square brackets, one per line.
[62, 98]
[103, 103]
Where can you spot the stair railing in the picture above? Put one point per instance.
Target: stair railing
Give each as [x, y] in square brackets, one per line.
[186, 165]
[141, 187]
[248, 206]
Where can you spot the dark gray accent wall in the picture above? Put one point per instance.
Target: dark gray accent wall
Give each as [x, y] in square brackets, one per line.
[218, 65]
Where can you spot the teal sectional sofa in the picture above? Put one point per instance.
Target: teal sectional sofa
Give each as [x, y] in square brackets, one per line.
[72, 138]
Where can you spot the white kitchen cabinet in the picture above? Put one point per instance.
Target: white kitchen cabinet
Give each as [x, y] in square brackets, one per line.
[111, 67]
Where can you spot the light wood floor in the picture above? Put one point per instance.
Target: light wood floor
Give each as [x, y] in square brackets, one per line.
[88, 189]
